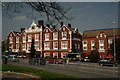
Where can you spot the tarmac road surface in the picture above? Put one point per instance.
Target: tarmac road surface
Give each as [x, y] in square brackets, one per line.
[18, 76]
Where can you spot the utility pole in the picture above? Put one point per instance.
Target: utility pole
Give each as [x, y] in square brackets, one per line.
[114, 41]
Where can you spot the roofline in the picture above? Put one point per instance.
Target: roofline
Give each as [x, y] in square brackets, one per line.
[106, 36]
[100, 29]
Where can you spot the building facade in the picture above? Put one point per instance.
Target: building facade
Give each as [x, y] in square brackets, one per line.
[49, 41]
[99, 40]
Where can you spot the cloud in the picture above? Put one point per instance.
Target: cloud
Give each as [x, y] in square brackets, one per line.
[20, 17]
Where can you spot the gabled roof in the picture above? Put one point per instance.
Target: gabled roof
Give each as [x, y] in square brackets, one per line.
[15, 32]
[107, 32]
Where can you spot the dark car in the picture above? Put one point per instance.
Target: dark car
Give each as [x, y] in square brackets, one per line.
[107, 63]
[40, 61]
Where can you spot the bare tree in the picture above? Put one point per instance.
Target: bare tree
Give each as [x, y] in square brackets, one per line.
[53, 11]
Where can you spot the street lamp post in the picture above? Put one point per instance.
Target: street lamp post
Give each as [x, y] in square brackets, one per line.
[114, 41]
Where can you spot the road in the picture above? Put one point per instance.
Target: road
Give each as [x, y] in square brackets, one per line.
[18, 76]
[86, 70]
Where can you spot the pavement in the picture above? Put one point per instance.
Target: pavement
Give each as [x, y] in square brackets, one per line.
[18, 76]
[85, 75]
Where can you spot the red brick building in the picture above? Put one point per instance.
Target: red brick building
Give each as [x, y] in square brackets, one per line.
[49, 41]
[99, 39]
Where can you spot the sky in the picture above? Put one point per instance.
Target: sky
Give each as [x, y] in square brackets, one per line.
[85, 16]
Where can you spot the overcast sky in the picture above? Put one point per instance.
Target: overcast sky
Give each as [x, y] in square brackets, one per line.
[86, 16]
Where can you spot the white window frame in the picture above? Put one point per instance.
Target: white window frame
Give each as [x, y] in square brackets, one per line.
[101, 44]
[110, 41]
[64, 46]
[17, 46]
[11, 39]
[47, 36]
[37, 46]
[28, 46]
[63, 54]
[101, 35]
[23, 46]
[85, 45]
[64, 35]
[29, 38]
[101, 41]
[24, 38]
[55, 36]
[75, 46]
[17, 39]
[55, 54]
[47, 45]
[36, 37]
[92, 44]
[55, 44]
[46, 55]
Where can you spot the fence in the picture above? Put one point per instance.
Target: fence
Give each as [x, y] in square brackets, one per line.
[83, 67]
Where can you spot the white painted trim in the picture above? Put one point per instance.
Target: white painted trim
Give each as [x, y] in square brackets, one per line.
[54, 36]
[70, 39]
[47, 28]
[64, 26]
[46, 53]
[54, 44]
[54, 54]
[61, 45]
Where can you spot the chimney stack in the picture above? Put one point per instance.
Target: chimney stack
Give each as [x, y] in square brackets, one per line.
[22, 29]
[69, 25]
[61, 23]
[54, 27]
[48, 25]
[40, 23]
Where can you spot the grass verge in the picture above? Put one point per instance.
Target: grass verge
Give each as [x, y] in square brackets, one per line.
[45, 75]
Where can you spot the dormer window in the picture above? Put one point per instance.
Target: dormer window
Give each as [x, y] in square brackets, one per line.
[55, 36]
[47, 36]
[64, 35]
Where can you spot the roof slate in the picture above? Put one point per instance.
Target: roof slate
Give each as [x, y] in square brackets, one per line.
[107, 32]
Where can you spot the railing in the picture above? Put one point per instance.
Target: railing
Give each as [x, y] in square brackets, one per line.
[82, 67]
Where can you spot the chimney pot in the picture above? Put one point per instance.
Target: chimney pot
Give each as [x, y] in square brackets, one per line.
[48, 25]
[54, 27]
[69, 25]
[61, 23]
[40, 23]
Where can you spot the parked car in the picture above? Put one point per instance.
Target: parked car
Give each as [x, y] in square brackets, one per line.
[105, 62]
[14, 58]
[86, 59]
[41, 61]
[54, 60]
